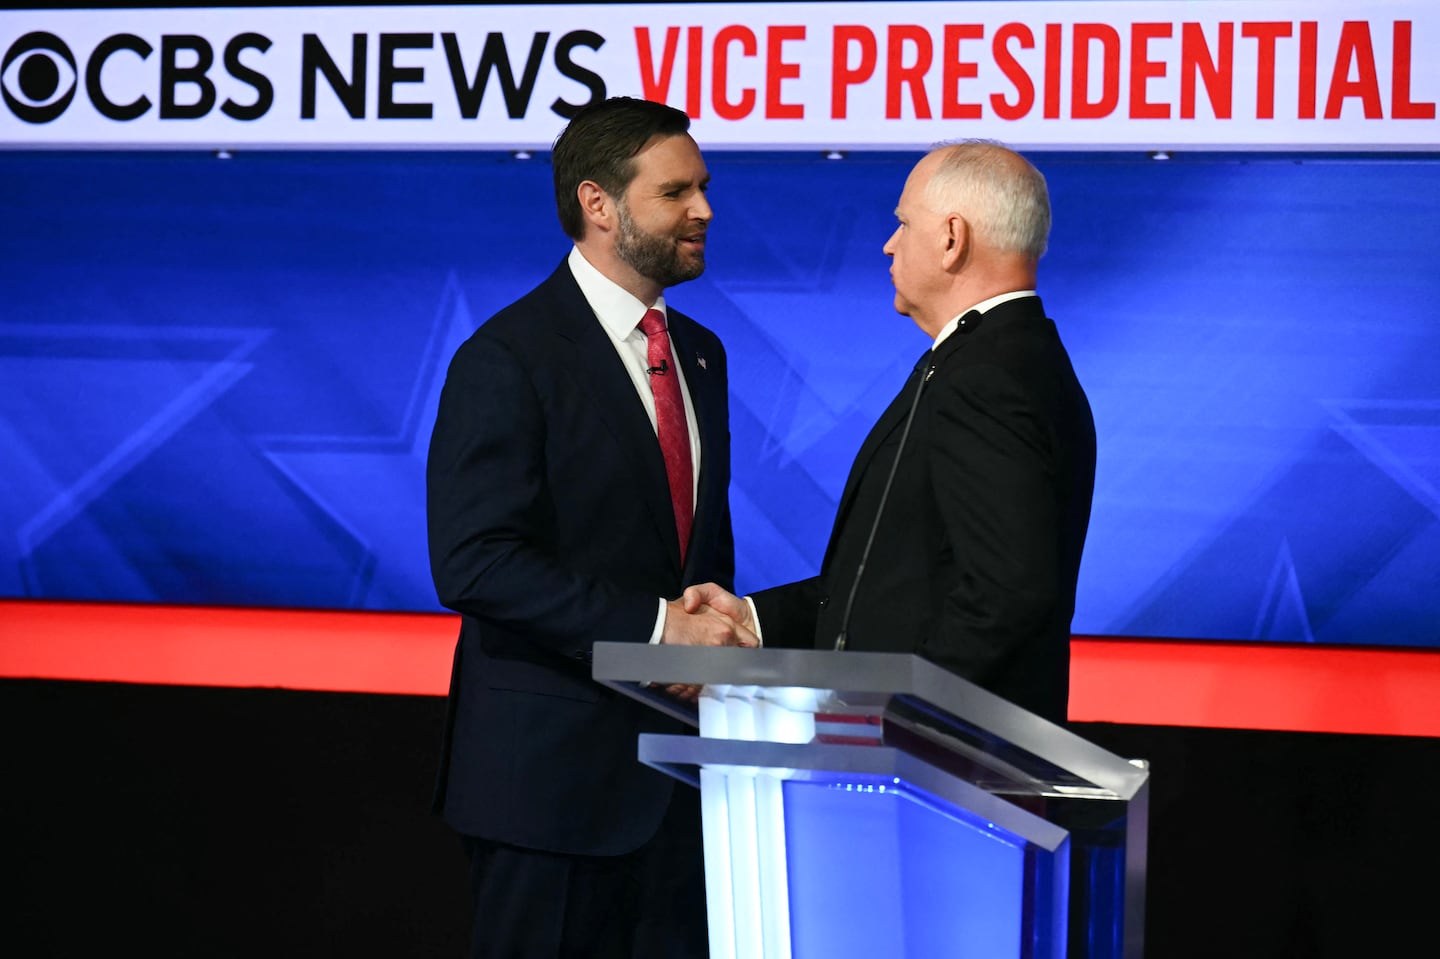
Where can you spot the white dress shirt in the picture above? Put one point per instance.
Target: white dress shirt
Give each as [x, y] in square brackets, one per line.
[982, 307]
[620, 314]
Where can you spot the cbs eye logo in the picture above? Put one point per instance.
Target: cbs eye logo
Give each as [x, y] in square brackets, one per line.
[38, 77]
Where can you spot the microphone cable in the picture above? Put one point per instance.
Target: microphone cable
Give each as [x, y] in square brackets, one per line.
[841, 639]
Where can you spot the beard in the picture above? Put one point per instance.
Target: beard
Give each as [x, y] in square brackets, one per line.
[657, 258]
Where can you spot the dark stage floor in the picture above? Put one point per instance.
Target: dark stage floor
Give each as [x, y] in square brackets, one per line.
[175, 821]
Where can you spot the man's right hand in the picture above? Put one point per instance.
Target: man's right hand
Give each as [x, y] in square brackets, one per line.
[706, 624]
[711, 596]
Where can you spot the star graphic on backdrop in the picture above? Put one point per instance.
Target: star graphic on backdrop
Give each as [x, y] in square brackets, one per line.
[814, 383]
[1282, 616]
[134, 387]
[374, 486]
[1401, 437]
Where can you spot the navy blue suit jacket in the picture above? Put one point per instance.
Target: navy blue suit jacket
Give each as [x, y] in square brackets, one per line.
[551, 529]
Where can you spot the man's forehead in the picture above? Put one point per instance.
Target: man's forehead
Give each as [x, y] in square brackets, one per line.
[674, 159]
[666, 145]
[909, 195]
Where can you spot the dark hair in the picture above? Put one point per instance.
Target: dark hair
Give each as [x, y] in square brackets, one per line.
[600, 144]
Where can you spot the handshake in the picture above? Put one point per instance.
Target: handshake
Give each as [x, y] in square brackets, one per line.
[707, 615]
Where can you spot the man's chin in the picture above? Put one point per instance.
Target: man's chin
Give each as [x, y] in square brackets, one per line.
[690, 268]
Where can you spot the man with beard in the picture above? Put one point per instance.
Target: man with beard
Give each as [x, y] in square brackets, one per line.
[578, 480]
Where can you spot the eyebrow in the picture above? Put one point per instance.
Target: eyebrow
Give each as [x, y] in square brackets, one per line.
[669, 185]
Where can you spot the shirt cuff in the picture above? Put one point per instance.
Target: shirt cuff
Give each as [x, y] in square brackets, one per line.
[755, 621]
[659, 630]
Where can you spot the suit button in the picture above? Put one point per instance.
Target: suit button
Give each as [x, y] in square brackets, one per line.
[824, 601]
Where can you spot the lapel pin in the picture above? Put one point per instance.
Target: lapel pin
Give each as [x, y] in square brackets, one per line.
[701, 360]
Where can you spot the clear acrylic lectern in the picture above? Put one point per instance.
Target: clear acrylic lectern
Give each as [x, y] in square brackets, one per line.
[873, 804]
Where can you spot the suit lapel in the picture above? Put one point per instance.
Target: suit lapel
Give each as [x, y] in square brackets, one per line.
[595, 365]
[889, 421]
[895, 414]
[701, 387]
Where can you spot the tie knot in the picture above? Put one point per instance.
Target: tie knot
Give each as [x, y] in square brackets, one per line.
[653, 322]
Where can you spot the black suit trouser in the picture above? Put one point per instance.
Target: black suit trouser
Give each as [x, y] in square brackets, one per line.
[647, 904]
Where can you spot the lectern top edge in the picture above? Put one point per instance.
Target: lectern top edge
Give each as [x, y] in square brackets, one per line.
[887, 677]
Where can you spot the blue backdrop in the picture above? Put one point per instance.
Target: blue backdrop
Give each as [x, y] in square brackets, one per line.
[218, 376]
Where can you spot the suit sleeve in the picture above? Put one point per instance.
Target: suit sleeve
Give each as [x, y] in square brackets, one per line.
[994, 476]
[788, 613]
[490, 518]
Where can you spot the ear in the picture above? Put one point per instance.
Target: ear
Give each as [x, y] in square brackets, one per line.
[595, 205]
[956, 237]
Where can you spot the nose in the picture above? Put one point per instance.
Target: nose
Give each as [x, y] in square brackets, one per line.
[889, 247]
[700, 209]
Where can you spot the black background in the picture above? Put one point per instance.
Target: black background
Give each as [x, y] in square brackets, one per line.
[175, 821]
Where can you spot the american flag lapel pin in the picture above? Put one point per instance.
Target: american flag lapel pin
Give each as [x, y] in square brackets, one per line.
[701, 360]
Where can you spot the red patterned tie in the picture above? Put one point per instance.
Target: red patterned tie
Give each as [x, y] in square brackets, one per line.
[670, 424]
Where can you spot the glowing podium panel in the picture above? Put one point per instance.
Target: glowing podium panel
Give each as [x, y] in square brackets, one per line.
[873, 804]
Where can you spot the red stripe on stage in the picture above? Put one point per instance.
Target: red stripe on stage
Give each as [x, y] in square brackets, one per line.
[1246, 685]
[363, 652]
[1235, 685]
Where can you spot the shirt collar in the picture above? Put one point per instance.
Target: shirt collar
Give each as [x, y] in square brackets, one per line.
[984, 306]
[617, 310]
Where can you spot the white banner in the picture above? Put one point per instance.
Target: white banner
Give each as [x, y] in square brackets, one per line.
[1126, 74]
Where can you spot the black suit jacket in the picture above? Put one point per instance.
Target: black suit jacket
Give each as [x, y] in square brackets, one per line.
[975, 559]
[551, 529]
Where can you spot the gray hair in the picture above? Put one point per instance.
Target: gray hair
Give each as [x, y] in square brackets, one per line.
[1002, 195]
